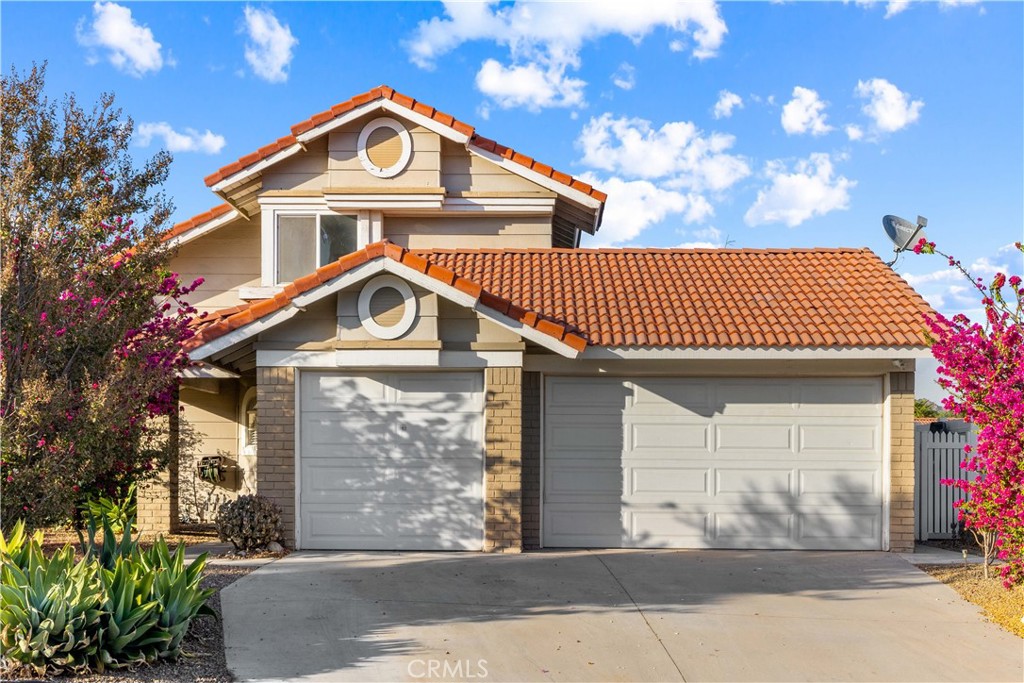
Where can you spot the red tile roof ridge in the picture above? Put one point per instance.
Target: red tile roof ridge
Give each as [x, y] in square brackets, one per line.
[388, 93]
[645, 250]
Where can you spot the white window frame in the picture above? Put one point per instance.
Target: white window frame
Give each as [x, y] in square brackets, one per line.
[369, 228]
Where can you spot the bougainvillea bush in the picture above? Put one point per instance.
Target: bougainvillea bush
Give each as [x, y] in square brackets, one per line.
[92, 320]
[981, 365]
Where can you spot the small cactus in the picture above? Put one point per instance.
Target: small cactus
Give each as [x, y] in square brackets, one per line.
[249, 522]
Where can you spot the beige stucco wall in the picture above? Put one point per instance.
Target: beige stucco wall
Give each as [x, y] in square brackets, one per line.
[226, 259]
[476, 232]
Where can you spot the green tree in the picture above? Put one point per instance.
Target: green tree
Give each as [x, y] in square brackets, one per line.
[925, 408]
[91, 321]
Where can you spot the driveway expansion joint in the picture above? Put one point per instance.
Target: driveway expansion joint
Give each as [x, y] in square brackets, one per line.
[640, 611]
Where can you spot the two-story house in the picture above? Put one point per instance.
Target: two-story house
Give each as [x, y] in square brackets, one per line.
[405, 348]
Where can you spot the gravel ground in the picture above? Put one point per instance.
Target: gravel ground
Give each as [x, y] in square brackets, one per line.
[202, 657]
[1001, 606]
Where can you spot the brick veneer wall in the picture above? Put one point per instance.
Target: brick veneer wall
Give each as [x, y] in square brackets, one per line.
[503, 453]
[901, 445]
[275, 436]
[531, 460]
[157, 500]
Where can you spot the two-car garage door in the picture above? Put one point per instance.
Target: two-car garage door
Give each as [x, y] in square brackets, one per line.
[713, 463]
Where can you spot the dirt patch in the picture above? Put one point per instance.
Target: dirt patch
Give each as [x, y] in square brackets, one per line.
[55, 538]
[202, 657]
[1001, 606]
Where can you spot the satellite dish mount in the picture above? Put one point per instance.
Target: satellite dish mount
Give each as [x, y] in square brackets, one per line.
[903, 233]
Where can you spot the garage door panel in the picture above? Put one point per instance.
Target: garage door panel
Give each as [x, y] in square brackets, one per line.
[584, 394]
[650, 483]
[398, 467]
[382, 527]
[669, 436]
[657, 396]
[753, 438]
[756, 471]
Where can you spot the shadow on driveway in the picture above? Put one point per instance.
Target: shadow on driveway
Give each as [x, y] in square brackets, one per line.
[607, 616]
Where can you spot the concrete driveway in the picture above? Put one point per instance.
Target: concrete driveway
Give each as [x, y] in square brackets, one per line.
[608, 616]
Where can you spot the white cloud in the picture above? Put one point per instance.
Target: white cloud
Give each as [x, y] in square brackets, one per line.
[530, 85]
[634, 205]
[895, 7]
[189, 140]
[949, 291]
[270, 45]
[625, 76]
[809, 190]
[888, 107]
[129, 46]
[677, 46]
[805, 113]
[678, 152]
[544, 39]
[854, 132]
[707, 238]
[727, 101]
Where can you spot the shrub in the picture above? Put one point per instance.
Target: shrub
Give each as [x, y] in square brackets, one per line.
[117, 510]
[113, 608]
[249, 522]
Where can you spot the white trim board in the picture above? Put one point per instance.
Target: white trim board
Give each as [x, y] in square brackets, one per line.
[388, 358]
[203, 228]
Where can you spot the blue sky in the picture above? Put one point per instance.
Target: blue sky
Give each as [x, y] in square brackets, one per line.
[757, 124]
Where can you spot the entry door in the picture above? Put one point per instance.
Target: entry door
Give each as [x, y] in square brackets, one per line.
[391, 461]
[713, 463]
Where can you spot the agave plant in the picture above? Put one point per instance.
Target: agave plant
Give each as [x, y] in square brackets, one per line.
[111, 548]
[128, 633]
[20, 546]
[176, 588]
[120, 512]
[50, 612]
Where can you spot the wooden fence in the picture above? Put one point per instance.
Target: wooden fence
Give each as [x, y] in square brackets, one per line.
[937, 456]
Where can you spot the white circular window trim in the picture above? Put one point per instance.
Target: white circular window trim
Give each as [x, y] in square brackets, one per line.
[403, 159]
[408, 314]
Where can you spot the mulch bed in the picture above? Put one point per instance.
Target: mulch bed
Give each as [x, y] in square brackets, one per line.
[202, 657]
[1000, 606]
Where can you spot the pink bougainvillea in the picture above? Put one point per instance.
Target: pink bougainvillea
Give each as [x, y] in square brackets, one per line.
[981, 365]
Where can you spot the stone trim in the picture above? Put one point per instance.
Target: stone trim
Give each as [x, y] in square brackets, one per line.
[503, 454]
[901, 469]
[275, 436]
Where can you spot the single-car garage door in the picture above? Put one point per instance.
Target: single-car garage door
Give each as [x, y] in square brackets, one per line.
[391, 461]
[713, 463]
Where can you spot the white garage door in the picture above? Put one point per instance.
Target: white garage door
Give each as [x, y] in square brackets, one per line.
[713, 463]
[391, 461]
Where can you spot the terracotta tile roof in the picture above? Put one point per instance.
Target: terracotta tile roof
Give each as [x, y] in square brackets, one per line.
[699, 298]
[706, 297]
[195, 221]
[384, 92]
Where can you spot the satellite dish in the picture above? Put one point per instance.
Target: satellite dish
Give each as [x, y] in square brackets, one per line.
[903, 233]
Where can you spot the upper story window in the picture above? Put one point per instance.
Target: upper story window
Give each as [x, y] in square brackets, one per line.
[306, 242]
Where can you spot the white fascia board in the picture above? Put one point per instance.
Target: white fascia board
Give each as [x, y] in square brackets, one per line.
[384, 201]
[311, 202]
[390, 107]
[203, 228]
[672, 353]
[460, 297]
[257, 293]
[206, 371]
[534, 177]
[527, 332]
[535, 205]
[385, 358]
[250, 171]
[243, 333]
[343, 281]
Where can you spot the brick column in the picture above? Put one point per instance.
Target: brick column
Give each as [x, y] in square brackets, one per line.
[531, 460]
[275, 439]
[503, 445]
[901, 475]
[157, 499]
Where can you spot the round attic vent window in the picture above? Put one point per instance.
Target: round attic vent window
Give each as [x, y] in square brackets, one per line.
[384, 147]
[387, 307]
